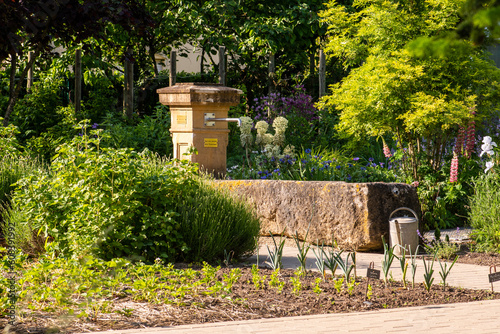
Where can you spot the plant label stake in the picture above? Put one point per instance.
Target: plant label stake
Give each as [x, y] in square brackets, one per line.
[371, 273]
[493, 276]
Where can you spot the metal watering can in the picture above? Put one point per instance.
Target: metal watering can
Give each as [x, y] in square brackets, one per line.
[403, 232]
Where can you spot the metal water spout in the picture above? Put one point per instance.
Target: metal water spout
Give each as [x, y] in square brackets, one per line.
[209, 119]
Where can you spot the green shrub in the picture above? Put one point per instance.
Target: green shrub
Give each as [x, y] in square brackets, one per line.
[36, 111]
[151, 132]
[109, 202]
[212, 223]
[485, 212]
[9, 145]
[13, 168]
[116, 203]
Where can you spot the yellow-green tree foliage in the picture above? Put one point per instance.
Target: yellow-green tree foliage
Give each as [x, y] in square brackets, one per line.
[418, 100]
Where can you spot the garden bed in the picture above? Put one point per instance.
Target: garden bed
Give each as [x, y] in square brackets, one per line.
[246, 301]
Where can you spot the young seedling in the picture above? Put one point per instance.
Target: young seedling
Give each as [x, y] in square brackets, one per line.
[317, 289]
[303, 250]
[275, 281]
[257, 280]
[228, 256]
[428, 279]
[404, 265]
[339, 284]
[296, 283]
[388, 259]
[276, 254]
[330, 262]
[344, 265]
[413, 258]
[320, 261]
[445, 271]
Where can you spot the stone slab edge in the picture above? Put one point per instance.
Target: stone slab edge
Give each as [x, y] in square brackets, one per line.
[356, 215]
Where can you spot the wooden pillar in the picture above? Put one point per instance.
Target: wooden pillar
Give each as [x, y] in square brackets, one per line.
[222, 65]
[322, 73]
[128, 89]
[30, 73]
[173, 68]
[78, 82]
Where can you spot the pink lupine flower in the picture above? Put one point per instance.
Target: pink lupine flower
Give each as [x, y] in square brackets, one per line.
[387, 151]
[454, 169]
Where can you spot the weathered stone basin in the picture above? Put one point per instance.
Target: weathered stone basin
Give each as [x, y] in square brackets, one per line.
[356, 215]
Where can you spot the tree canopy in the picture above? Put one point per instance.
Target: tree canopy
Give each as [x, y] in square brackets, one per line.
[420, 101]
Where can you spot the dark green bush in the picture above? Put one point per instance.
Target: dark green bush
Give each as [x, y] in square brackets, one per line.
[214, 223]
[151, 132]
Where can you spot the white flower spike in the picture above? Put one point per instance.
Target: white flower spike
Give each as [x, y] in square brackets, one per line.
[489, 165]
[487, 146]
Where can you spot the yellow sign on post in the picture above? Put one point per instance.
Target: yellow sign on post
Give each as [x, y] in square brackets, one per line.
[211, 142]
[181, 119]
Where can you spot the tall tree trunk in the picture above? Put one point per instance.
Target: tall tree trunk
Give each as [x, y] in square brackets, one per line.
[152, 53]
[14, 88]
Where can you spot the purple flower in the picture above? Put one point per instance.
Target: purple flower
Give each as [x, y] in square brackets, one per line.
[95, 125]
[355, 159]
[307, 151]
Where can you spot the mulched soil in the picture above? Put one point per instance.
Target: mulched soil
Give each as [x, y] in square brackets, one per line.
[480, 259]
[247, 302]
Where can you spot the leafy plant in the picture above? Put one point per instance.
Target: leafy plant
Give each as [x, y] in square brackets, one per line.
[296, 283]
[228, 256]
[388, 259]
[258, 281]
[302, 249]
[212, 221]
[330, 258]
[369, 292]
[445, 271]
[428, 272]
[344, 265]
[443, 249]
[485, 213]
[151, 132]
[339, 284]
[108, 202]
[413, 258]
[275, 281]
[351, 284]
[404, 264]
[320, 261]
[276, 254]
[316, 288]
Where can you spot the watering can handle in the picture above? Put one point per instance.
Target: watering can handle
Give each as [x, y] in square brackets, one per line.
[404, 208]
[398, 232]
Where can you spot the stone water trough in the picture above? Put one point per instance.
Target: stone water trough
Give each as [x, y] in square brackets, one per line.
[356, 215]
